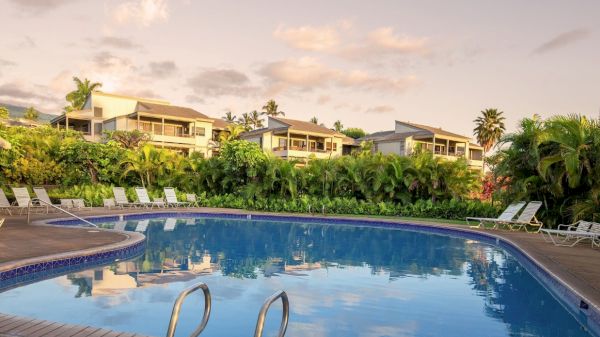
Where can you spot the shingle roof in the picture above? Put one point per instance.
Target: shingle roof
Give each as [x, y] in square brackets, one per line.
[220, 124]
[169, 110]
[437, 131]
[306, 126]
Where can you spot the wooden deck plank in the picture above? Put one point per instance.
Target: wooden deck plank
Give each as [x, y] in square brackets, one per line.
[46, 330]
[15, 323]
[86, 332]
[25, 326]
[15, 326]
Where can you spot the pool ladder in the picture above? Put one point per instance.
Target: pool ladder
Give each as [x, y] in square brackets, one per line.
[260, 323]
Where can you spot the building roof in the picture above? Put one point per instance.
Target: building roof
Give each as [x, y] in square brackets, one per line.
[434, 130]
[169, 110]
[219, 124]
[139, 99]
[306, 126]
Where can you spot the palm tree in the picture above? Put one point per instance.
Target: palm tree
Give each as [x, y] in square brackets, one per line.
[229, 117]
[246, 121]
[272, 109]
[31, 113]
[149, 164]
[338, 126]
[489, 128]
[314, 120]
[257, 122]
[78, 96]
[232, 132]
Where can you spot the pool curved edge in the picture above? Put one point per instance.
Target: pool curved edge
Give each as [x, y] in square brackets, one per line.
[19, 272]
[570, 297]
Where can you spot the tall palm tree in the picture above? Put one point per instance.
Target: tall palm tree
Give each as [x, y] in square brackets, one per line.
[78, 96]
[232, 132]
[489, 128]
[257, 121]
[229, 117]
[246, 121]
[31, 113]
[314, 120]
[338, 126]
[272, 109]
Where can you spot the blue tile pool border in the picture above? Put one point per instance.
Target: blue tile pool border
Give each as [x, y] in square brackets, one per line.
[566, 295]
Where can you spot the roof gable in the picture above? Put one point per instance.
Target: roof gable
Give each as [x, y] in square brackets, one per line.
[169, 110]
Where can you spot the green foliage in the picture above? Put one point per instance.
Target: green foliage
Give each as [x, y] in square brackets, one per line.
[4, 113]
[127, 139]
[489, 128]
[77, 97]
[272, 109]
[31, 113]
[556, 161]
[354, 132]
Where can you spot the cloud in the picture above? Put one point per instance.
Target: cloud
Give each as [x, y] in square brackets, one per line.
[106, 60]
[309, 37]
[162, 69]
[380, 109]
[116, 42]
[323, 99]
[39, 6]
[338, 40]
[142, 12]
[6, 64]
[22, 94]
[307, 74]
[562, 40]
[194, 99]
[221, 82]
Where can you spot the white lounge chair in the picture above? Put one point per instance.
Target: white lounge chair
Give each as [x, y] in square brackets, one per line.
[109, 203]
[66, 204]
[171, 196]
[142, 225]
[81, 205]
[42, 195]
[121, 198]
[120, 225]
[570, 235]
[23, 200]
[508, 215]
[526, 218]
[170, 224]
[4, 203]
[1, 222]
[191, 198]
[144, 199]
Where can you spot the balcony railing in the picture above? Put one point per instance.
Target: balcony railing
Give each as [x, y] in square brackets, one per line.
[299, 148]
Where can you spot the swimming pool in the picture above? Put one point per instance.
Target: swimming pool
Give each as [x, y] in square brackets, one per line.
[342, 280]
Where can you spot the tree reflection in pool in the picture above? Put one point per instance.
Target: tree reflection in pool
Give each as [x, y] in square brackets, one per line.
[342, 281]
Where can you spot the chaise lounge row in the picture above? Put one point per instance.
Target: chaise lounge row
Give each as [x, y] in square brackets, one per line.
[121, 199]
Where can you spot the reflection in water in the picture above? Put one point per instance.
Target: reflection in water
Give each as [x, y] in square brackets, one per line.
[342, 281]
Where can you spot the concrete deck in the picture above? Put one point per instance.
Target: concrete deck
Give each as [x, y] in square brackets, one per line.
[577, 266]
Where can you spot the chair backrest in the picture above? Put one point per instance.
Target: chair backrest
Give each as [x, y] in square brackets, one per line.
[41, 194]
[120, 196]
[190, 197]
[22, 196]
[142, 195]
[171, 195]
[1, 222]
[3, 200]
[511, 211]
[79, 203]
[66, 203]
[529, 212]
[583, 226]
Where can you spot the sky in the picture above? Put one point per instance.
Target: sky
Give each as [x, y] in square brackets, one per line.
[366, 63]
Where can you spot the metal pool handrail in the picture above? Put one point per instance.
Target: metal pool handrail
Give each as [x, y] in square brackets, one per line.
[56, 207]
[177, 308]
[263, 313]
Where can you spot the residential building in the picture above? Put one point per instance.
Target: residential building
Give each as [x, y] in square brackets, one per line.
[294, 139]
[178, 128]
[408, 137]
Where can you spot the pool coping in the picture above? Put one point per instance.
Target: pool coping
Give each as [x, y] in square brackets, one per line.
[22, 271]
[566, 294]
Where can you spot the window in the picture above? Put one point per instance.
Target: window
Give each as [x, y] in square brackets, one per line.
[200, 131]
[98, 112]
[329, 146]
[282, 142]
[97, 128]
[146, 127]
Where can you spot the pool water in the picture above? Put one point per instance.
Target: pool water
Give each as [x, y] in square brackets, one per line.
[342, 280]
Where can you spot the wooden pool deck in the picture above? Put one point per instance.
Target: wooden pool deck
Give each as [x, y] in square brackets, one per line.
[15, 326]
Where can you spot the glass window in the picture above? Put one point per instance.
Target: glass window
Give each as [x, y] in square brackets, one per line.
[200, 131]
[97, 112]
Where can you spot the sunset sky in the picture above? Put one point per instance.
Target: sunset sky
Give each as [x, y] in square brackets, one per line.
[366, 63]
